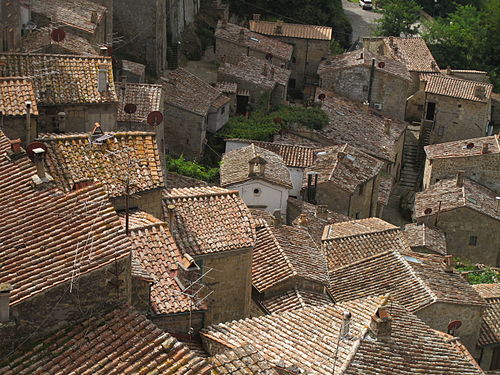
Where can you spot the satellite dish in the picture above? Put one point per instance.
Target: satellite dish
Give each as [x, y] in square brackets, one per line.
[428, 211]
[155, 118]
[130, 108]
[381, 65]
[32, 146]
[321, 96]
[454, 325]
[470, 145]
[58, 35]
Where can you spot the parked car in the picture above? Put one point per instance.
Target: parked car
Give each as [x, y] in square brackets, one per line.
[365, 4]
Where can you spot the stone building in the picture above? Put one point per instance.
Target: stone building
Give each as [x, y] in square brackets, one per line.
[375, 334]
[363, 76]
[296, 158]
[135, 103]
[267, 84]
[192, 108]
[143, 26]
[18, 109]
[10, 26]
[425, 239]
[489, 339]
[478, 158]
[452, 108]
[260, 176]
[39, 41]
[468, 213]
[344, 179]
[64, 255]
[214, 226]
[311, 44]
[370, 257]
[76, 160]
[233, 41]
[72, 92]
[180, 15]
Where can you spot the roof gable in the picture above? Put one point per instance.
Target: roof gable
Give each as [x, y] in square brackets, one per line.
[14, 93]
[443, 85]
[291, 30]
[147, 98]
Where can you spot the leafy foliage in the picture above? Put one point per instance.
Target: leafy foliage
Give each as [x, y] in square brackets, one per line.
[476, 275]
[398, 18]
[261, 127]
[441, 8]
[192, 169]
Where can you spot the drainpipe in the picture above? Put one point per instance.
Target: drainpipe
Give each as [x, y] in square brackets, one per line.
[28, 122]
[370, 84]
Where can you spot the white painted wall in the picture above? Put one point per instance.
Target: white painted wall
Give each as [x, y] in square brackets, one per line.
[217, 119]
[297, 176]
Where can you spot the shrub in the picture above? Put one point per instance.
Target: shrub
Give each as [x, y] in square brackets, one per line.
[192, 169]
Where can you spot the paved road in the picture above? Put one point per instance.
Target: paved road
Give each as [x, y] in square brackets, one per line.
[362, 21]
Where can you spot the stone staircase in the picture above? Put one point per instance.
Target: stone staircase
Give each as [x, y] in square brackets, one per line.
[410, 171]
[173, 56]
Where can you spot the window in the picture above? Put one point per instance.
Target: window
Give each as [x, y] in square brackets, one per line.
[431, 109]
[472, 240]
[358, 214]
[223, 109]
[294, 60]
[291, 83]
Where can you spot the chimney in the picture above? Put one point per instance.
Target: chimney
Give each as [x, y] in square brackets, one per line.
[5, 289]
[434, 65]
[15, 146]
[103, 51]
[102, 78]
[264, 69]
[241, 36]
[485, 148]
[303, 220]
[28, 122]
[94, 17]
[256, 17]
[272, 71]
[448, 70]
[449, 264]
[341, 156]
[170, 211]
[381, 323]
[277, 219]
[61, 119]
[387, 126]
[346, 323]
[279, 27]
[480, 91]
[322, 211]
[391, 41]
[39, 164]
[460, 178]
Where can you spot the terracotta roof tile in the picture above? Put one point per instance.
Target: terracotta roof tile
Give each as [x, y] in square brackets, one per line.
[379, 136]
[364, 58]
[74, 13]
[254, 41]
[146, 97]
[445, 195]
[490, 328]
[132, 345]
[186, 91]
[40, 41]
[295, 299]
[356, 228]
[291, 30]
[345, 166]
[284, 252]
[14, 93]
[71, 158]
[421, 235]
[43, 230]
[209, 220]
[385, 189]
[227, 87]
[256, 71]
[235, 167]
[308, 339]
[156, 252]
[244, 360]
[61, 79]
[463, 148]
[458, 88]
[175, 180]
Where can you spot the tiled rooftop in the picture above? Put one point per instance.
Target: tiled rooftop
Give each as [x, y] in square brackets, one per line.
[421, 235]
[146, 97]
[39, 41]
[295, 299]
[175, 180]
[71, 158]
[356, 228]
[308, 339]
[463, 148]
[120, 342]
[256, 71]
[227, 87]
[231, 33]
[209, 220]
[74, 13]
[156, 252]
[42, 231]
[364, 58]
[344, 166]
[415, 280]
[445, 195]
[244, 360]
[295, 156]
[291, 30]
[235, 167]
[385, 189]
[490, 329]
[14, 93]
[186, 91]
[61, 79]
[362, 128]
[284, 252]
[458, 88]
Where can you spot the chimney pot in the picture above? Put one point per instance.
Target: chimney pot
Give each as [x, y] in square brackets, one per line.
[346, 323]
[449, 264]
[15, 146]
[303, 220]
[460, 178]
[485, 148]
[5, 289]
[448, 70]
[381, 323]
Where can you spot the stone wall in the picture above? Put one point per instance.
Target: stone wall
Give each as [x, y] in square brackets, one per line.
[141, 295]
[218, 118]
[180, 323]
[10, 26]
[231, 52]
[256, 92]
[93, 294]
[231, 282]
[15, 127]
[149, 201]
[461, 223]
[181, 13]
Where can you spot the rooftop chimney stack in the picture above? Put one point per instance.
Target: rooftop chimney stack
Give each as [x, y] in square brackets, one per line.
[170, 210]
[303, 220]
[241, 36]
[28, 122]
[5, 289]
[381, 323]
[103, 51]
[264, 69]
[279, 27]
[346, 324]
[39, 164]
[391, 41]
[460, 178]
[278, 220]
[256, 17]
[449, 264]
[485, 148]
[102, 78]
[61, 119]
[448, 70]
[15, 146]
[322, 211]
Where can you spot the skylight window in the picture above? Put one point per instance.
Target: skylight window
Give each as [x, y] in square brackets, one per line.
[412, 259]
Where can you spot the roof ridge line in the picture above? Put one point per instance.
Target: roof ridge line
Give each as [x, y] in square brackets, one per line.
[283, 252]
[205, 195]
[363, 234]
[378, 255]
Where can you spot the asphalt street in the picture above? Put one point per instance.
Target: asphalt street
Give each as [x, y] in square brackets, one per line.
[362, 21]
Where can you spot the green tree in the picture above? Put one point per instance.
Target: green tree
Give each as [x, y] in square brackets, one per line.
[398, 18]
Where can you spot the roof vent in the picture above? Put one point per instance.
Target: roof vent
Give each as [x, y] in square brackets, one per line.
[381, 323]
